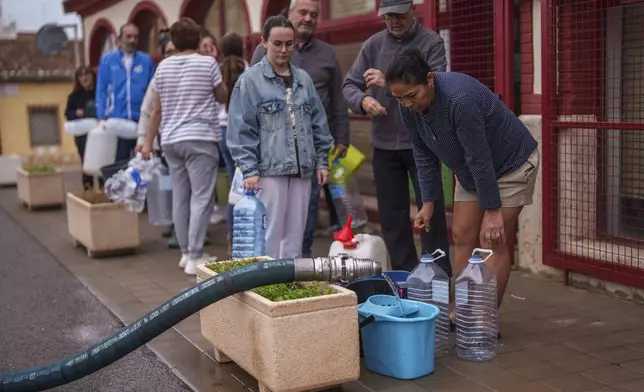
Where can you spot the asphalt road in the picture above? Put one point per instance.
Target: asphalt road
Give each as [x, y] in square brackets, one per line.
[47, 314]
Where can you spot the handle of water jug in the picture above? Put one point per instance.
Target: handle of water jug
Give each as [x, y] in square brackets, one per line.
[481, 250]
[441, 253]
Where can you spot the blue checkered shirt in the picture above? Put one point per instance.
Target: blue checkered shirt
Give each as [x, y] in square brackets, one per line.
[472, 132]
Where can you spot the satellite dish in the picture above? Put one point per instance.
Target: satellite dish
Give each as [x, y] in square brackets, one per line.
[51, 39]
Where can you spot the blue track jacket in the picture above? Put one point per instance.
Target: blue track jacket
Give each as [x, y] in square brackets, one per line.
[120, 92]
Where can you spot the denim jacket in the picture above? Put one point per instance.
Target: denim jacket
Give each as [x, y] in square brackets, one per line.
[260, 129]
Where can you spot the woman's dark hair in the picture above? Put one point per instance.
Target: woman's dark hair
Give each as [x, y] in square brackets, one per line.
[232, 45]
[84, 70]
[276, 21]
[409, 68]
[231, 69]
[185, 34]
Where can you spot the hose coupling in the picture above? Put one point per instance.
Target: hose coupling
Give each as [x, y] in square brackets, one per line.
[338, 268]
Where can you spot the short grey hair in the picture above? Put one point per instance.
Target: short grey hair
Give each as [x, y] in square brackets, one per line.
[292, 6]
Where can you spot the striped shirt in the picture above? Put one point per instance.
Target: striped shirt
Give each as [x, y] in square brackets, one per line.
[472, 132]
[185, 85]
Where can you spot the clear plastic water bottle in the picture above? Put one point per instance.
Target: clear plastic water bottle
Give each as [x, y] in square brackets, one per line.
[430, 284]
[249, 227]
[346, 196]
[477, 317]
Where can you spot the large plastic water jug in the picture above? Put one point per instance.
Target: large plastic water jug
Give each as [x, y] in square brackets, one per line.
[477, 317]
[122, 127]
[249, 227]
[159, 198]
[430, 284]
[360, 246]
[81, 126]
[100, 150]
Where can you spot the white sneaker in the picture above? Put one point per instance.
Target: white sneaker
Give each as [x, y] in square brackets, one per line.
[218, 215]
[184, 261]
[191, 265]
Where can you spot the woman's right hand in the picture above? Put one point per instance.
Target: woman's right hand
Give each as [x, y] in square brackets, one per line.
[252, 183]
[79, 112]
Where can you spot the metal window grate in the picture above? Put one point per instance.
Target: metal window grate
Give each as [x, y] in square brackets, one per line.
[593, 138]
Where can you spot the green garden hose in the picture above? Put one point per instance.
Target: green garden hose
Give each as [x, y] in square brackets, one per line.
[190, 301]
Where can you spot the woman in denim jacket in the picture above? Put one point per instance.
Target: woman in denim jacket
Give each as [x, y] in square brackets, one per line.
[277, 131]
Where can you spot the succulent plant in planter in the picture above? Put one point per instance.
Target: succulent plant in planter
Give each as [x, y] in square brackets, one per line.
[35, 169]
[275, 292]
[94, 196]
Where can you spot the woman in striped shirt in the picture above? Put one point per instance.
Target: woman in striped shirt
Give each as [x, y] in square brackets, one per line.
[185, 90]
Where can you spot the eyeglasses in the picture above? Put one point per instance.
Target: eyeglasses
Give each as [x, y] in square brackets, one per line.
[288, 45]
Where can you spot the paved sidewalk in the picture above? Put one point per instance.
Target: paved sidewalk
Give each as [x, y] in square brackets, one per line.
[555, 338]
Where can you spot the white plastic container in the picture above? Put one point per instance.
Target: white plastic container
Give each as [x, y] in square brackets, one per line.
[9, 164]
[81, 126]
[123, 128]
[100, 150]
[360, 246]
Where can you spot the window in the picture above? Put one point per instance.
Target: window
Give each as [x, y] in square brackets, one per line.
[624, 103]
[43, 126]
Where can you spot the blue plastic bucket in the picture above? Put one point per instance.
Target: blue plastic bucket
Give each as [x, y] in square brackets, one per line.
[398, 347]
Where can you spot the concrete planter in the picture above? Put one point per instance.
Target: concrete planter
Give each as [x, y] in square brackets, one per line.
[297, 345]
[102, 228]
[40, 189]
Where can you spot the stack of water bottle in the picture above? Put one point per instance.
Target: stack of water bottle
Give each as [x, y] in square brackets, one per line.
[476, 310]
[129, 185]
[402, 337]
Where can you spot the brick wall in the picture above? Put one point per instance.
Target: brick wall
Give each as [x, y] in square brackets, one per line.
[339, 9]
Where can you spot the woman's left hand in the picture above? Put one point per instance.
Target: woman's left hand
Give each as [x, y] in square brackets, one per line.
[323, 176]
[146, 152]
[492, 230]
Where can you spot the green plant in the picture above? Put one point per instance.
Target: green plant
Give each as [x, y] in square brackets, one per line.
[40, 169]
[275, 292]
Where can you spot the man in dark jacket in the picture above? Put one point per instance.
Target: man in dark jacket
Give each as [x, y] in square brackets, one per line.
[318, 59]
[393, 159]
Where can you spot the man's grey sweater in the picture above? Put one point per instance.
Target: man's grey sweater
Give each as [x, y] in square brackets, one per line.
[387, 132]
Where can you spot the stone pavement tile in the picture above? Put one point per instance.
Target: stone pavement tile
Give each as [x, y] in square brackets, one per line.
[550, 352]
[518, 360]
[636, 366]
[604, 327]
[617, 355]
[612, 374]
[467, 368]
[543, 371]
[633, 336]
[441, 374]
[579, 363]
[631, 386]
[378, 383]
[504, 380]
[457, 385]
[571, 320]
[572, 383]
[586, 344]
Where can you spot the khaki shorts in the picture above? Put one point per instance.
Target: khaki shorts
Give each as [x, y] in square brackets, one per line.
[516, 188]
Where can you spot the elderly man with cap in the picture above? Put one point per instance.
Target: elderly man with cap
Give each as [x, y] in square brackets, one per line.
[393, 159]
